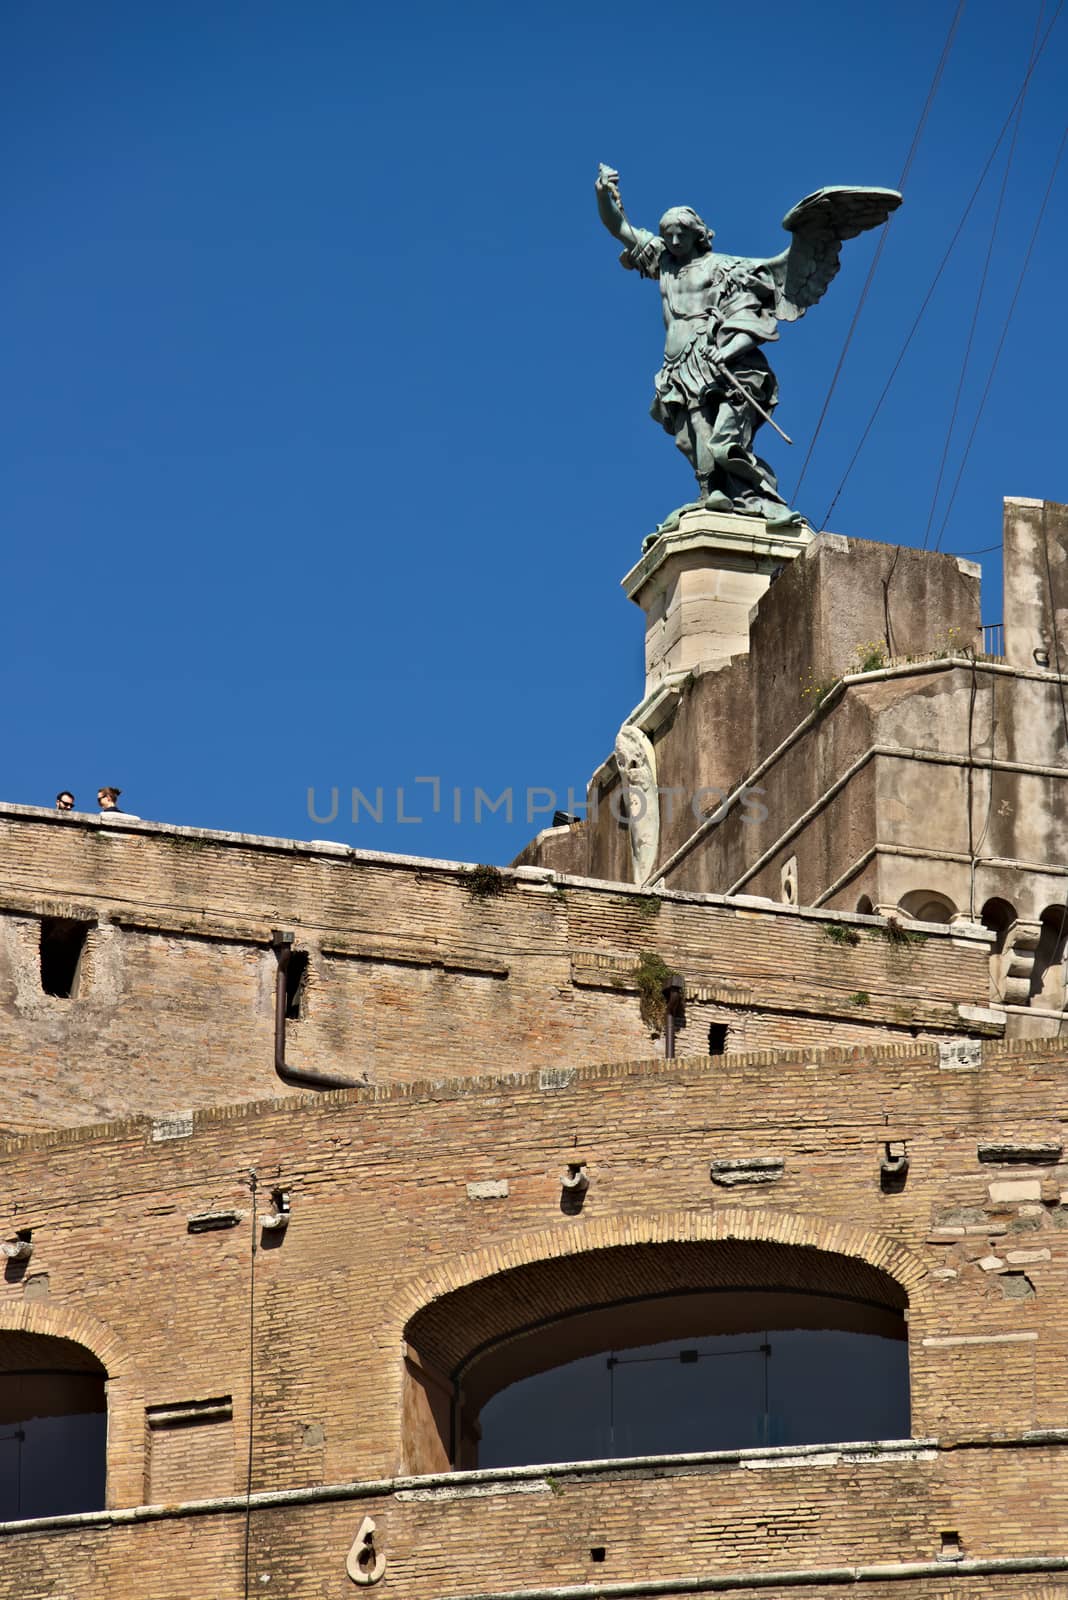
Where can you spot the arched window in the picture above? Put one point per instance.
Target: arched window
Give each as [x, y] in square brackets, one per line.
[53, 1427]
[657, 1350]
[864, 906]
[999, 916]
[1047, 974]
[924, 905]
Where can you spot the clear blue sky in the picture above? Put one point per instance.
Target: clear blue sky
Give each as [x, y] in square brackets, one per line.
[325, 439]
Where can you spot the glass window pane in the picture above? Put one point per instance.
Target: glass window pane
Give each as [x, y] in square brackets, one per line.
[717, 1392]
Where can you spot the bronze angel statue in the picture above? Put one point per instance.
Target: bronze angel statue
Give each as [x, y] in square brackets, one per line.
[715, 388]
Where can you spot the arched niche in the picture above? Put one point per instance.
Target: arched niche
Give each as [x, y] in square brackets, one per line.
[999, 916]
[53, 1427]
[864, 906]
[1048, 972]
[925, 905]
[656, 1349]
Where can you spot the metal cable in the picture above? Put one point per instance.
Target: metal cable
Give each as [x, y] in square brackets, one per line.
[253, 1185]
[955, 411]
[941, 268]
[909, 159]
[1004, 333]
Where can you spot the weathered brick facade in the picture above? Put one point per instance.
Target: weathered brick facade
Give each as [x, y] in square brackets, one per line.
[269, 1387]
[411, 973]
[306, 1337]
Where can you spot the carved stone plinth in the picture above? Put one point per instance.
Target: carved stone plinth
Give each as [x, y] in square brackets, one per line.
[698, 584]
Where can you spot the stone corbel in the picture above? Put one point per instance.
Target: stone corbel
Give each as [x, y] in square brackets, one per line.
[894, 1166]
[573, 1185]
[1018, 962]
[277, 1219]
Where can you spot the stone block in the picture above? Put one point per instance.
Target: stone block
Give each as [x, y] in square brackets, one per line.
[750, 1169]
[488, 1189]
[960, 1055]
[1015, 1189]
[1028, 1153]
[179, 1125]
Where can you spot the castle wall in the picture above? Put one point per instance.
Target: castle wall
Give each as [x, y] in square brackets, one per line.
[401, 1195]
[412, 972]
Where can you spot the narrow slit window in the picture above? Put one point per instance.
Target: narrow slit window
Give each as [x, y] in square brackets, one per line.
[296, 983]
[62, 947]
[717, 1039]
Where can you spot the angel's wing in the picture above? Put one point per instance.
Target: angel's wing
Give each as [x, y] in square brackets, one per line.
[819, 223]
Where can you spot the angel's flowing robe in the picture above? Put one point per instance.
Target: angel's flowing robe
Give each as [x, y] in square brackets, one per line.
[706, 300]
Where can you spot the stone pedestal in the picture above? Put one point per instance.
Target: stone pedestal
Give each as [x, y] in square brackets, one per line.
[697, 586]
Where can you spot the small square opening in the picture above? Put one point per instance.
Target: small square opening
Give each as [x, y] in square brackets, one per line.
[717, 1039]
[952, 1546]
[597, 1552]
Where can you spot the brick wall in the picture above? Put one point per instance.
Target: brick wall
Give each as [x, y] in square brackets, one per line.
[384, 1223]
[411, 974]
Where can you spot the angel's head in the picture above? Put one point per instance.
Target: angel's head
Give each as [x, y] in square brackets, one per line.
[684, 233]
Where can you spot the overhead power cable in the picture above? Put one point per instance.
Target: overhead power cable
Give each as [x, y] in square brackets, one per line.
[991, 240]
[906, 169]
[1004, 332]
[940, 269]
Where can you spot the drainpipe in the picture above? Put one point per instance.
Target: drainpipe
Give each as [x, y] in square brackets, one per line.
[282, 944]
[674, 992]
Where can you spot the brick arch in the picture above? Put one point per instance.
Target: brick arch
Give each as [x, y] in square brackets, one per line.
[681, 1227]
[125, 1389]
[476, 1324]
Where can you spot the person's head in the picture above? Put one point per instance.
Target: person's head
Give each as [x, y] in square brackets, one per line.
[684, 233]
[108, 799]
[64, 800]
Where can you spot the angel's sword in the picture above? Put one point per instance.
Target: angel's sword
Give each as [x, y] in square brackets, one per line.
[722, 372]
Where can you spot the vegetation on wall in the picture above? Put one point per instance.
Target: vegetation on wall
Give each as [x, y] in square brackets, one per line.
[484, 882]
[650, 975]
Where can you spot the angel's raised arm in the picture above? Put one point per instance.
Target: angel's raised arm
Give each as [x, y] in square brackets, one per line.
[610, 207]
